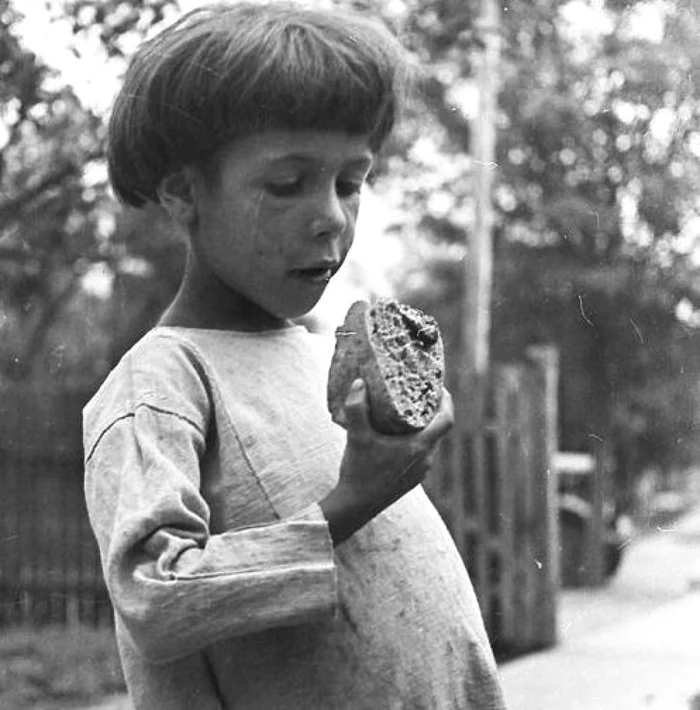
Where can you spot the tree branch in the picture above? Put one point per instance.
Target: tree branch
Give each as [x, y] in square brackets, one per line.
[9, 209]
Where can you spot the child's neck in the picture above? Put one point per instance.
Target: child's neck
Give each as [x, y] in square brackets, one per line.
[205, 302]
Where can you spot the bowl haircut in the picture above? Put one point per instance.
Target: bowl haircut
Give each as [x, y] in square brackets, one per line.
[227, 71]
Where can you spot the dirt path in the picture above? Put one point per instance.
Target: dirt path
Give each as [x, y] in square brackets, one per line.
[629, 645]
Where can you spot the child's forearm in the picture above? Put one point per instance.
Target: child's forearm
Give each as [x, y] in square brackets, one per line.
[240, 582]
[378, 469]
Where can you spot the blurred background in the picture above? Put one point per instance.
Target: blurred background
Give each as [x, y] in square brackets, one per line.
[541, 198]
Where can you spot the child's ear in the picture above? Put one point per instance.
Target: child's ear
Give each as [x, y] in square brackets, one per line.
[177, 194]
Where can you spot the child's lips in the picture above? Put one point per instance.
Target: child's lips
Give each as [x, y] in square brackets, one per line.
[318, 274]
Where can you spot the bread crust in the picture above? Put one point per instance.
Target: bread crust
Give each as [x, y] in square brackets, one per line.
[397, 350]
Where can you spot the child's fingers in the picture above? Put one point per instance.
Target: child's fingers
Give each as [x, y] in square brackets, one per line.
[444, 419]
[356, 406]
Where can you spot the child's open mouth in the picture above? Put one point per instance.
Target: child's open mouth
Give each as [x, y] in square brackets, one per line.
[316, 274]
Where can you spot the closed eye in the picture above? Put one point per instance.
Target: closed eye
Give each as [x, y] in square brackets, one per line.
[284, 188]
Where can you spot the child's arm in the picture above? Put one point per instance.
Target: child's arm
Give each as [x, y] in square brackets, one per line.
[175, 585]
[378, 469]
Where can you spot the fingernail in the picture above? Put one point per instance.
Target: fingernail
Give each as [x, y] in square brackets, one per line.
[357, 385]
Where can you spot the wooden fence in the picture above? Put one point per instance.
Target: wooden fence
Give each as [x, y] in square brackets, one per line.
[496, 488]
[49, 564]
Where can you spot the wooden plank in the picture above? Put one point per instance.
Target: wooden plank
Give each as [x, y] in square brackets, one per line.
[594, 552]
[524, 600]
[506, 426]
[544, 420]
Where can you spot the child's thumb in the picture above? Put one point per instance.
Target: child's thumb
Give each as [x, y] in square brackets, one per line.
[356, 405]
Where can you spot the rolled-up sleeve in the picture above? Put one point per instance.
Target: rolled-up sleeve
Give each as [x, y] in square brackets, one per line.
[177, 587]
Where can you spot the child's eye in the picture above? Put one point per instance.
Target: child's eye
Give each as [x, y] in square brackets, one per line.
[284, 188]
[348, 188]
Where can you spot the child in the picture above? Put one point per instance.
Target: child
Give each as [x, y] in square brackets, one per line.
[257, 555]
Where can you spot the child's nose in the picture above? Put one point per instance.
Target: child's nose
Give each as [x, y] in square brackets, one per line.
[331, 218]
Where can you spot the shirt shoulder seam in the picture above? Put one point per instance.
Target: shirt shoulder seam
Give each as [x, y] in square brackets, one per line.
[131, 414]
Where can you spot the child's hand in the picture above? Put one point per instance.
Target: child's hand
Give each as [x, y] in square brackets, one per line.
[377, 469]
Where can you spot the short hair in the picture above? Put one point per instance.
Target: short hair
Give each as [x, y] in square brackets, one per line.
[227, 71]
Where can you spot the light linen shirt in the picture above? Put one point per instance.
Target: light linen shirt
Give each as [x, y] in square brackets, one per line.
[206, 454]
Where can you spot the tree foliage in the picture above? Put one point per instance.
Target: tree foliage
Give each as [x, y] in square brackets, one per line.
[49, 214]
[596, 203]
[59, 226]
[597, 217]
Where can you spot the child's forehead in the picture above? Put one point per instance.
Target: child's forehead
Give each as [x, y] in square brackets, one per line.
[274, 146]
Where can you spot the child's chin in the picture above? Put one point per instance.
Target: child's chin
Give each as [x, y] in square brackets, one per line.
[299, 309]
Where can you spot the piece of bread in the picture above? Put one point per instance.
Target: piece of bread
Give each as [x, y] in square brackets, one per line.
[397, 350]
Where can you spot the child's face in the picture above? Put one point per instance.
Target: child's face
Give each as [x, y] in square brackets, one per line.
[278, 222]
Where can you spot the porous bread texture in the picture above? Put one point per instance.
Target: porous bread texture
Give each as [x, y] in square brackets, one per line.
[397, 350]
